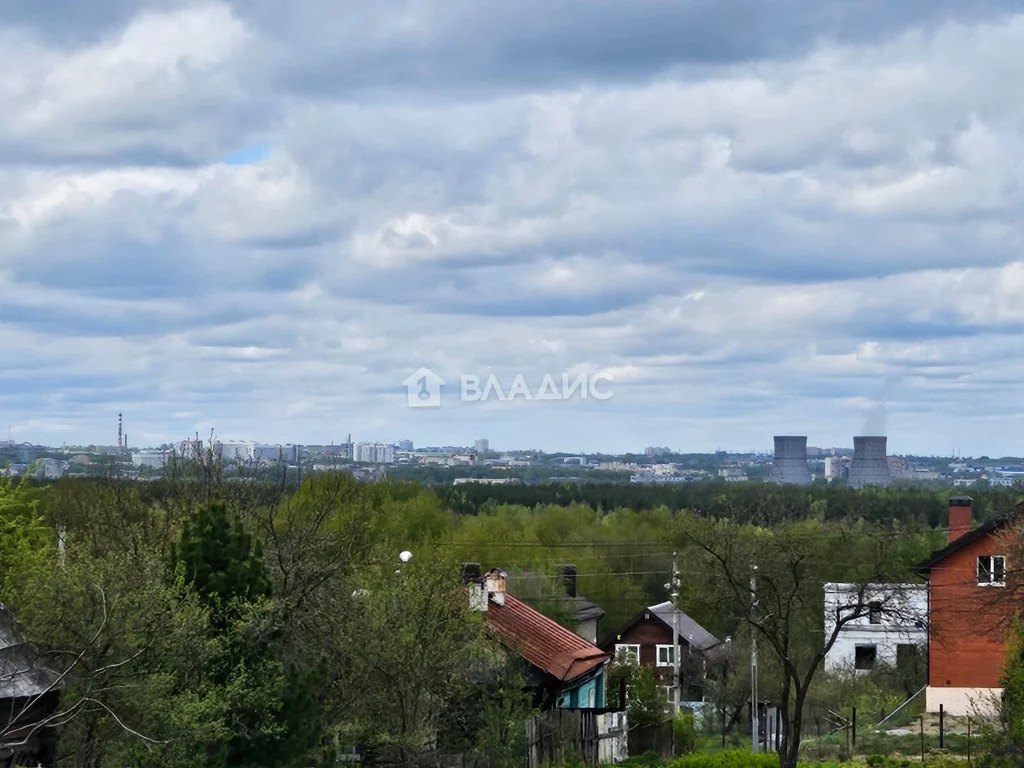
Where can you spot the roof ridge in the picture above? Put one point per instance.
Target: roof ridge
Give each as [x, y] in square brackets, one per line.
[555, 625]
[541, 640]
[970, 536]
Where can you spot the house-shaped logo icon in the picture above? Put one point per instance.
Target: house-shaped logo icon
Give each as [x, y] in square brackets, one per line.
[423, 389]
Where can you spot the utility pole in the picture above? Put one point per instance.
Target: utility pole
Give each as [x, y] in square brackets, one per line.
[754, 740]
[676, 687]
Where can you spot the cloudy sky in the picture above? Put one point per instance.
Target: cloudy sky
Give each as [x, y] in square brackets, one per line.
[756, 216]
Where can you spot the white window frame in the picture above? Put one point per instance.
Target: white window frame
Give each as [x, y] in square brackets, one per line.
[991, 571]
[657, 658]
[621, 649]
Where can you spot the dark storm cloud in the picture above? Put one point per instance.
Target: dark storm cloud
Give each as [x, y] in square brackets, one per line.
[468, 44]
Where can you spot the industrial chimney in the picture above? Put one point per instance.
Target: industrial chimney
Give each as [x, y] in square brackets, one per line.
[790, 463]
[870, 466]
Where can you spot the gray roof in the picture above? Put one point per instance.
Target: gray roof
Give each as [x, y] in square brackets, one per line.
[689, 629]
[524, 585]
[22, 671]
[587, 609]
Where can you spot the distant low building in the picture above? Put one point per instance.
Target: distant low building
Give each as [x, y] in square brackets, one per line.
[837, 467]
[374, 453]
[733, 474]
[655, 450]
[150, 459]
[272, 454]
[487, 480]
[49, 469]
[651, 478]
[233, 452]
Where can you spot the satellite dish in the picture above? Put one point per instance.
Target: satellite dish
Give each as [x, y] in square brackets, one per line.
[406, 556]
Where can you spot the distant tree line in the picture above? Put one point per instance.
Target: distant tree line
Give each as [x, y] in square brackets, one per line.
[757, 503]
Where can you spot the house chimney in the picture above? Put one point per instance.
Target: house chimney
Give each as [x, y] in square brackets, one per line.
[470, 572]
[959, 516]
[494, 586]
[568, 574]
[471, 577]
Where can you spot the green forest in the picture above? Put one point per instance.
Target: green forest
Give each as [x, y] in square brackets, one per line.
[205, 621]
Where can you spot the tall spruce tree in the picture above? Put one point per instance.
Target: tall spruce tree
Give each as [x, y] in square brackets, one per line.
[221, 563]
[270, 705]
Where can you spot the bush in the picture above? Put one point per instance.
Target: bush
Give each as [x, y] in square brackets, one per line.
[646, 760]
[728, 759]
[743, 759]
[684, 729]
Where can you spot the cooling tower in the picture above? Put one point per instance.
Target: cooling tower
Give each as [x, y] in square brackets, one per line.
[790, 463]
[870, 465]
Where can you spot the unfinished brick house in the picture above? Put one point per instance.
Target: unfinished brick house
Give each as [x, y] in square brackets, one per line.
[970, 610]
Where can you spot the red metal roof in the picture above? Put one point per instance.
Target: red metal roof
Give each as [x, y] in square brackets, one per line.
[543, 642]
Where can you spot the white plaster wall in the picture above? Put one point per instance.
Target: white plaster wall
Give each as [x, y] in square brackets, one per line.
[961, 702]
[885, 640]
[588, 630]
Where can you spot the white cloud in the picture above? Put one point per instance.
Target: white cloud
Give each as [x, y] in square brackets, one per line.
[749, 246]
[157, 88]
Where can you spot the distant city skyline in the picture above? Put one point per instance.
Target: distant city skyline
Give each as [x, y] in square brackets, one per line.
[487, 444]
[224, 213]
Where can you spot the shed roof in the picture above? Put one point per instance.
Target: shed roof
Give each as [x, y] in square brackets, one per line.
[543, 642]
[22, 672]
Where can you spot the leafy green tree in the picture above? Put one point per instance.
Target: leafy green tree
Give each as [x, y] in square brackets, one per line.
[111, 623]
[27, 545]
[491, 724]
[1005, 739]
[410, 649]
[645, 703]
[790, 563]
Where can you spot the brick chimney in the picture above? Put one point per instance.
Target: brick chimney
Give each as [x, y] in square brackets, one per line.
[470, 572]
[494, 585]
[568, 574]
[473, 578]
[959, 516]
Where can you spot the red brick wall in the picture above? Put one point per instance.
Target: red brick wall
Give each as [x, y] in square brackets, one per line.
[968, 622]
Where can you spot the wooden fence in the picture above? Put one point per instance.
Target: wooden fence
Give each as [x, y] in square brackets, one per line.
[594, 737]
